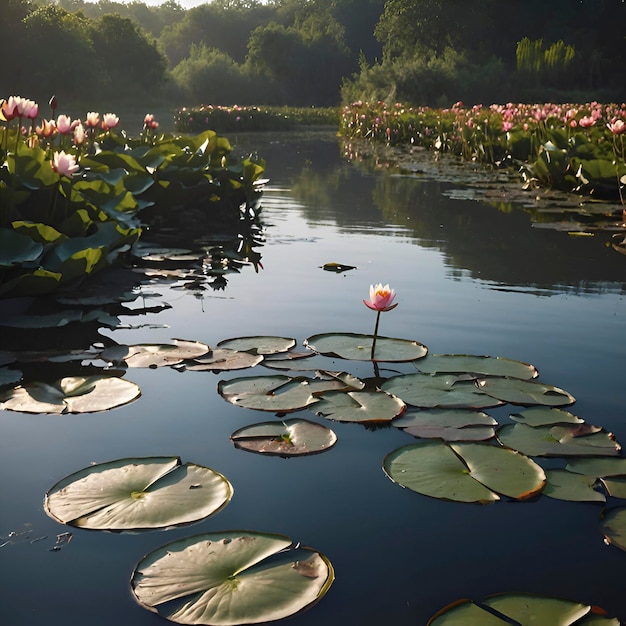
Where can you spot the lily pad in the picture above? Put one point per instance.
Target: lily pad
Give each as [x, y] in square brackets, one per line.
[616, 486]
[230, 578]
[482, 365]
[447, 424]
[155, 354]
[564, 485]
[613, 525]
[224, 360]
[358, 347]
[597, 467]
[9, 376]
[526, 392]
[561, 440]
[259, 345]
[438, 391]
[520, 608]
[373, 407]
[72, 394]
[544, 416]
[292, 437]
[301, 362]
[138, 494]
[464, 472]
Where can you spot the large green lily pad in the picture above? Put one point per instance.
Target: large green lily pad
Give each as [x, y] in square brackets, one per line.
[293, 437]
[544, 416]
[464, 472]
[259, 345]
[369, 406]
[564, 485]
[521, 608]
[561, 440]
[230, 578]
[223, 359]
[447, 424]
[72, 394]
[438, 391]
[613, 525]
[358, 347]
[138, 494]
[524, 392]
[597, 467]
[156, 354]
[479, 365]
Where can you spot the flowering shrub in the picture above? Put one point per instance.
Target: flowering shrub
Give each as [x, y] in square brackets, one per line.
[571, 147]
[75, 194]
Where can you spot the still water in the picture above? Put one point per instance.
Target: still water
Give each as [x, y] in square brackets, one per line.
[471, 278]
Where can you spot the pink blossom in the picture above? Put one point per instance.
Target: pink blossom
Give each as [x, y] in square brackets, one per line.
[47, 128]
[109, 121]
[79, 135]
[586, 122]
[506, 126]
[617, 127]
[150, 122]
[381, 298]
[92, 120]
[65, 125]
[64, 164]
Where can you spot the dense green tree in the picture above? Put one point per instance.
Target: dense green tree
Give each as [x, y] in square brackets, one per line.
[12, 35]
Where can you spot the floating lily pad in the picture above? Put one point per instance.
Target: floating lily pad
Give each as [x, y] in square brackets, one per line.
[138, 494]
[438, 391]
[520, 608]
[597, 467]
[230, 578]
[302, 362]
[481, 365]
[373, 407]
[518, 391]
[544, 416]
[224, 360]
[9, 376]
[73, 394]
[259, 345]
[564, 485]
[292, 437]
[464, 472]
[358, 347]
[613, 525]
[561, 440]
[155, 354]
[616, 486]
[447, 424]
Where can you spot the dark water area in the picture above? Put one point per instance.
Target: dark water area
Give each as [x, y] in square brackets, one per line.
[471, 276]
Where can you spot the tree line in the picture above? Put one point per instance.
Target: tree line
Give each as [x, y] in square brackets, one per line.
[315, 52]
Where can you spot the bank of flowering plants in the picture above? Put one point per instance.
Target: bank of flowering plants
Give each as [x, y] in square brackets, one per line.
[75, 194]
[572, 147]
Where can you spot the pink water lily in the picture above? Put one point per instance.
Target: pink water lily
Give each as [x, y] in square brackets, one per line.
[381, 298]
[92, 120]
[110, 120]
[64, 164]
[617, 127]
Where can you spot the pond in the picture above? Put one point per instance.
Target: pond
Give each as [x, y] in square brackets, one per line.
[471, 277]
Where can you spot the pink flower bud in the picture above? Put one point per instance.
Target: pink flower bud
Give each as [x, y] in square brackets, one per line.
[64, 164]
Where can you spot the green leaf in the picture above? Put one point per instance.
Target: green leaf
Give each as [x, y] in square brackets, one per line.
[543, 416]
[358, 347]
[564, 485]
[155, 354]
[230, 578]
[294, 437]
[524, 392]
[224, 360]
[613, 525]
[372, 407]
[138, 494]
[597, 467]
[17, 249]
[479, 365]
[259, 345]
[447, 424]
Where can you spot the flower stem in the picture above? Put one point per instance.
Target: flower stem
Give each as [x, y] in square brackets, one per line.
[375, 335]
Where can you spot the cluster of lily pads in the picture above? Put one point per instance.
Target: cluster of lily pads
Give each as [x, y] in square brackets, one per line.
[461, 455]
[71, 205]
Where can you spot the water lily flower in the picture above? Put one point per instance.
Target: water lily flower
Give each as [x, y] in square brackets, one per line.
[65, 125]
[47, 128]
[617, 127]
[9, 108]
[92, 120]
[150, 122]
[381, 298]
[64, 164]
[109, 121]
[587, 121]
[79, 135]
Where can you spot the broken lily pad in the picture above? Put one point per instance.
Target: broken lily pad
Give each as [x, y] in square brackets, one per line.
[138, 494]
[464, 472]
[155, 354]
[481, 365]
[231, 578]
[447, 424]
[294, 437]
[358, 347]
[369, 406]
[259, 345]
[526, 392]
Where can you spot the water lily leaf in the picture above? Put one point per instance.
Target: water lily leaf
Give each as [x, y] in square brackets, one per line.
[16, 248]
[447, 424]
[337, 267]
[597, 467]
[483, 365]
[138, 494]
[438, 391]
[292, 437]
[616, 486]
[259, 345]
[543, 416]
[9, 376]
[72, 394]
[224, 360]
[230, 578]
[519, 608]
[464, 472]
[155, 354]
[563, 440]
[301, 362]
[358, 347]
[564, 485]
[613, 525]
[359, 406]
[518, 391]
